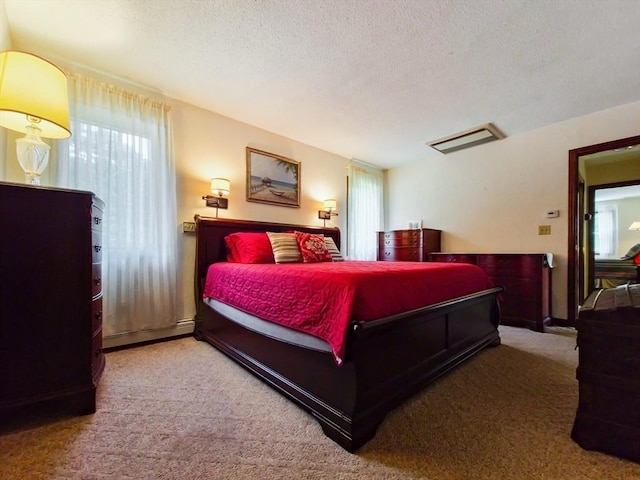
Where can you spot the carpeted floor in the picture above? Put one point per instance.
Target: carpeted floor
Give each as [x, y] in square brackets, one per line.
[181, 410]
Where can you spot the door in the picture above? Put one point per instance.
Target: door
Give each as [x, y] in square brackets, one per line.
[602, 158]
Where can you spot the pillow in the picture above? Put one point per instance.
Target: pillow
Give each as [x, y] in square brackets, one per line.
[285, 247]
[336, 256]
[249, 247]
[313, 248]
[632, 253]
[232, 252]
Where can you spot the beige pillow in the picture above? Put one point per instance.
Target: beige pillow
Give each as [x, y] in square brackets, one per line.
[336, 256]
[285, 247]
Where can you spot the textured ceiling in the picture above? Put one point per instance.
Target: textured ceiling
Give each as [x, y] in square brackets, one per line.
[368, 79]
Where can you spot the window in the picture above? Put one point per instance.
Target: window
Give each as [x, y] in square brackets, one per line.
[605, 231]
[120, 150]
[365, 210]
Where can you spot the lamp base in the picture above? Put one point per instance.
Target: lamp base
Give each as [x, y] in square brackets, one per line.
[33, 155]
[32, 178]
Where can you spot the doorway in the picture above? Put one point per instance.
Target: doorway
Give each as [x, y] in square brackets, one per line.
[606, 157]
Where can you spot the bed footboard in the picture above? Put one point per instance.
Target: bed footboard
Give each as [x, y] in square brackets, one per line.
[387, 361]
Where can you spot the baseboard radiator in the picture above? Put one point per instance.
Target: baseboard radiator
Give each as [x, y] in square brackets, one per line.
[182, 327]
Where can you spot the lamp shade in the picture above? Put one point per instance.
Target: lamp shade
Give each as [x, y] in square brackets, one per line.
[220, 186]
[32, 86]
[330, 205]
[635, 226]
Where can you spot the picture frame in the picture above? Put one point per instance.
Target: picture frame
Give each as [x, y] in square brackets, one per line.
[272, 179]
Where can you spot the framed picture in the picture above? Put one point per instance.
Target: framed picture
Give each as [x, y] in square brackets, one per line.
[272, 179]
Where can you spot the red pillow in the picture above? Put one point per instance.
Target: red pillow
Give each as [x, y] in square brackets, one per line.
[247, 247]
[313, 248]
[232, 252]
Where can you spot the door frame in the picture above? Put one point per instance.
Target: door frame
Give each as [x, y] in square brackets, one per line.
[575, 263]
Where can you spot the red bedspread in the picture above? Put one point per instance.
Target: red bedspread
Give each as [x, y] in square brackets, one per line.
[322, 298]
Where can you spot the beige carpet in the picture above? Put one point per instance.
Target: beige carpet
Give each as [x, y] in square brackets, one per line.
[181, 410]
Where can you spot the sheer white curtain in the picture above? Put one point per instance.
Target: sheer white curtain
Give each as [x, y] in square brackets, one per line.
[606, 231]
[365, 213]
[121, 150]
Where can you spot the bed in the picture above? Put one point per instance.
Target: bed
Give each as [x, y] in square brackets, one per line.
[383, 361]
[611, 273]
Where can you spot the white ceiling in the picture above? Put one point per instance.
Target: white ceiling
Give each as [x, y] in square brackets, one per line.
[368, 79]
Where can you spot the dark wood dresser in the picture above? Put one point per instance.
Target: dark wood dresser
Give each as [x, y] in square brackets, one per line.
[526, 278]
[408, 245]
[50, 299]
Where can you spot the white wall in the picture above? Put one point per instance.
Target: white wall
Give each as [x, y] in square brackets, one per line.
[210, 145]
[492, 198]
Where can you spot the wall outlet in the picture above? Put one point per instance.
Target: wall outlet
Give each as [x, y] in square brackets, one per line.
[544, 229]
[188, 227]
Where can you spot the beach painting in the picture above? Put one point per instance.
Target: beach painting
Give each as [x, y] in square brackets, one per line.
[272, 179]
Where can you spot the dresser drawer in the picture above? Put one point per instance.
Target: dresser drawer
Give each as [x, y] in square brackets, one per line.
[400, 254]
[400, 238]
[96, 217]
[96, 280]
[453, 258]
[96, 314]
[517, 287]
[96, 246]
[97, 356]
[528, 308]
[512, 265]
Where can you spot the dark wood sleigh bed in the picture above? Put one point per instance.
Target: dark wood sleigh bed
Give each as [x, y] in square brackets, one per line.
[349, 401]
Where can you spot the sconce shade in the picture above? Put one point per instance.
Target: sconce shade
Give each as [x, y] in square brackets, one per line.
[330, 205]
[635, 226]
[31, 86]
[220, 186]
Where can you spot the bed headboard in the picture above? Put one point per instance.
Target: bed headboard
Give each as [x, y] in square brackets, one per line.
[211, 248]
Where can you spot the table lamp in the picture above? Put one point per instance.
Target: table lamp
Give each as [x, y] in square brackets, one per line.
[34, 101]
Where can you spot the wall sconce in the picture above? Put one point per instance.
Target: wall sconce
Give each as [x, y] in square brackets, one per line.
[635, 226]
[329, 211]
[220, 187]
[34, 101]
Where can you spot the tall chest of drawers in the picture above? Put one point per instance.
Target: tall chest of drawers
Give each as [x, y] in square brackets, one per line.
[50, 299]
[526, 278]
[408, 245]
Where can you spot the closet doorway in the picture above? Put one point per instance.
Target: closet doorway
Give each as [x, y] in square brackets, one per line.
[612, 162]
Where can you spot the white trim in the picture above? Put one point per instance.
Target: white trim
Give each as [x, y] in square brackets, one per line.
[183, 327]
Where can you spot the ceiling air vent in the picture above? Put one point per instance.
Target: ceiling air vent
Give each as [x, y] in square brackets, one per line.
[470, 138]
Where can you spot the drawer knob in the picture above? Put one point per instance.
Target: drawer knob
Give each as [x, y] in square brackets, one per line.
[387, 253]
[387, 242]
[97, 280]
[97, 220]
[98, 352]
[97, 248]
[98, 314]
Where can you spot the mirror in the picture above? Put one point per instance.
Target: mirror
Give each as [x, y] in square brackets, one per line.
[613, 234]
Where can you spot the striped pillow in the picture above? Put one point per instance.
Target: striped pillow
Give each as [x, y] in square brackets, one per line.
[285, 247]
[333, 250]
